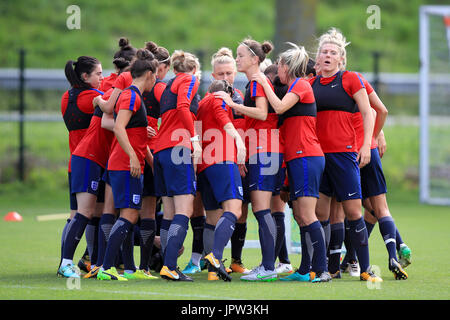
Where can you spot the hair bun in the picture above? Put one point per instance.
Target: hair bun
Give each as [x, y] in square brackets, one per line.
[151, 46]
[144, 54]
[124, 42]
[266, 47]
[224, 52]
[121, 63]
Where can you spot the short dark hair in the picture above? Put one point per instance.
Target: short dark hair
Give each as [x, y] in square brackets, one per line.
[220, 85]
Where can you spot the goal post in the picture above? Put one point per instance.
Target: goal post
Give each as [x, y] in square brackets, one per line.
[434, 92]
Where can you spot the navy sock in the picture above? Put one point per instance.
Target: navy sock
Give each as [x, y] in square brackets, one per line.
[336, 240]
[351, 253]
[128, 251]
[208, 238]
[147, 231]
[75, 231]
[267, 236]
[105, 225]
[316, 238]
[117, 236]
[165, 225]
[197, 224]
[305, 265]
[283, 256]
[360, 241]
[92, 239]
[222, 234]
[278, 218]
[327, 231]
[63, 238]
[175, 238]
[388, 230]
[238, 240]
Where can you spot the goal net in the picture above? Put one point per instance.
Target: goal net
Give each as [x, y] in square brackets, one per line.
[435, 105]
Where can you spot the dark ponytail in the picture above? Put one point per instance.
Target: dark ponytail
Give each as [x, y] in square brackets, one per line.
[145, 61]
[74, 70]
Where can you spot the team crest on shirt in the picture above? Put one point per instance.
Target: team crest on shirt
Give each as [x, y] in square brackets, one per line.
[94, 185]
[136, 198]
[241, 191]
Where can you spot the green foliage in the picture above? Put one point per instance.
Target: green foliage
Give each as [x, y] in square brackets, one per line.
[200, 26]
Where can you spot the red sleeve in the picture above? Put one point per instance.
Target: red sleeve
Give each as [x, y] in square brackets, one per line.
[84, 100]
[186, 90]
[123, 81]
[158, 90]
[221, 112]
[303, 90]
[256, 90]
[366, 83]
[128, 100]
[352, 82]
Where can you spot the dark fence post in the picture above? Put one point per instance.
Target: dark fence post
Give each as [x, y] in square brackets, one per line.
[376, 70]
[21, 165]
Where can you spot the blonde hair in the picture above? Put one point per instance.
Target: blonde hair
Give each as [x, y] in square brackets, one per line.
[223, 56]
[185, 62]
[296, 60]
[335, 37]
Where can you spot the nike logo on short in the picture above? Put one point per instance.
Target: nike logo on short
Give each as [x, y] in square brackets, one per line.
[333, 85]
[352, 194]
[253, 184]
[360, 230]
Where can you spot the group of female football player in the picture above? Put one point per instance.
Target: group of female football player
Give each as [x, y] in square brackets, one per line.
[304, 132]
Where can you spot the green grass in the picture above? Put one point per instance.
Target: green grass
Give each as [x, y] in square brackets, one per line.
[30, 255]
[30, 249]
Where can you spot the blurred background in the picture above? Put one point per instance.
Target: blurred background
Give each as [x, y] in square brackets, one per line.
[39, 36]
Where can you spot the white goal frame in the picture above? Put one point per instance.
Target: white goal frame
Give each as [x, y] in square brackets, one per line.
[424, 47]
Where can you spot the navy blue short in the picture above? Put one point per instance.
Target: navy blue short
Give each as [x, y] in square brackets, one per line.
[341, 177]
[86, 175]
[127, 190]
[305, 175]
[218, 183]
[149, 182]
[263, 170]
[281, 176]
[373, 182]
[174, 172]
[72, 196]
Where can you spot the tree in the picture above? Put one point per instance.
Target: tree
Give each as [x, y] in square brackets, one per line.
[295, 22]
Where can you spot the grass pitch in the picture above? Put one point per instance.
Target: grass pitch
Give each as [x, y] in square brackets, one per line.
[29, 257]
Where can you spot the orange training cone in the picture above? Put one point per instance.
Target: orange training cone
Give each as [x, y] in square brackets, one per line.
[13, 216]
